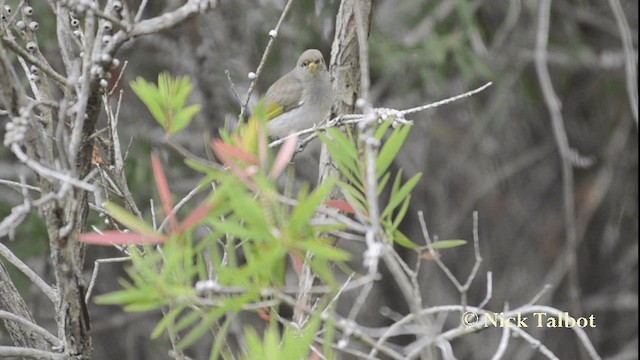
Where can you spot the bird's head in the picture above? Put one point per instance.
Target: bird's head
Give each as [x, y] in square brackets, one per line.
[311, 63]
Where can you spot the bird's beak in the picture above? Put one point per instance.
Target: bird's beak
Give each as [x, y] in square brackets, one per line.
[314, 66]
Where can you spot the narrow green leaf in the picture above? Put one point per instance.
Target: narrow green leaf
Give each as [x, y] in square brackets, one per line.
[382, 129]
[234, 228]
[402, 193]
[390, 149]
[220, 337]
[250, 211]
[168, 319]
[307, 206]
[151, 97]
[396, 182]
[324, 250]
[264, 265]
[129, 220]
[188, 320]
[123, 297]
[401, 213]
[183, 118]
[345, 160]
[254, 344]
[146, 306]
[447, 244]
[346, 145]
[402, 240]
[323, 269]
[204, 326]
[296, 344]
[181, 89]
[383, 182]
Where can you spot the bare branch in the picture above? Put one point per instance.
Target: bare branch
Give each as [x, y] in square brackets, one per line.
[32, 327]
[553, 105]
[272, 36]
[630, 58]
[26, 270]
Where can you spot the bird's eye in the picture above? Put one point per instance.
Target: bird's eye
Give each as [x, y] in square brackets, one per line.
[305, 63]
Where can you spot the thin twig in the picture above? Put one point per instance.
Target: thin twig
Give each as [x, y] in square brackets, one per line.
[232, 85]
[553, 104]
[504, 339]
[32, 327]
[26, 270]
[630, 61]
[489, 294]
[94, 275]
[28, 353]
[349, 119]
[272, 36]
[19, 185]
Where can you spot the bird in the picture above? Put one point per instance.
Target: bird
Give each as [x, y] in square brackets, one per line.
[301, 98]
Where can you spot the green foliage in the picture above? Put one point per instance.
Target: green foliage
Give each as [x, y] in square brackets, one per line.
[166, 101]
[252, 233]
[294, 344]
[346, 154]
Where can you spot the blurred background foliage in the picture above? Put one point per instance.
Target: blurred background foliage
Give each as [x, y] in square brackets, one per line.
[494, 152]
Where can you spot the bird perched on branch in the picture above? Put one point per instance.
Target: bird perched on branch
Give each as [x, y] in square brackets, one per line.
[301, 98]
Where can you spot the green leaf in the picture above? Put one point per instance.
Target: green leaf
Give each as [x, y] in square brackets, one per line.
[383, 182]
[264, 265]
[188, 320]
[233, 227]
[382, 129]
[147, 306]
[400, 239]
[181, 88]
[401, 213]
[346, 146]
[150, 96]
[250, 211]
[398, 197]
[296, 344]
[221, 337]
[129, 220]
[166, 100]
[168, 319]
[345, 159]
[396, 182]
[254, 344]
[324, 249]
[447, 244]
[307, 206]
[183, 118]
[323, 269]
[390, 149]
[123, 297]
[202, 328]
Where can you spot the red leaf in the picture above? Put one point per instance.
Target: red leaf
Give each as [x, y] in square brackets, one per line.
[195, 216]
[226, 152]
[341, 205]
[163, 190]
[220, 149]
[109, 238]
[298, 263]
[284, 156]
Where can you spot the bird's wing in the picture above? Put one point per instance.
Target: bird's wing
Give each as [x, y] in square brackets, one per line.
[287, 96]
